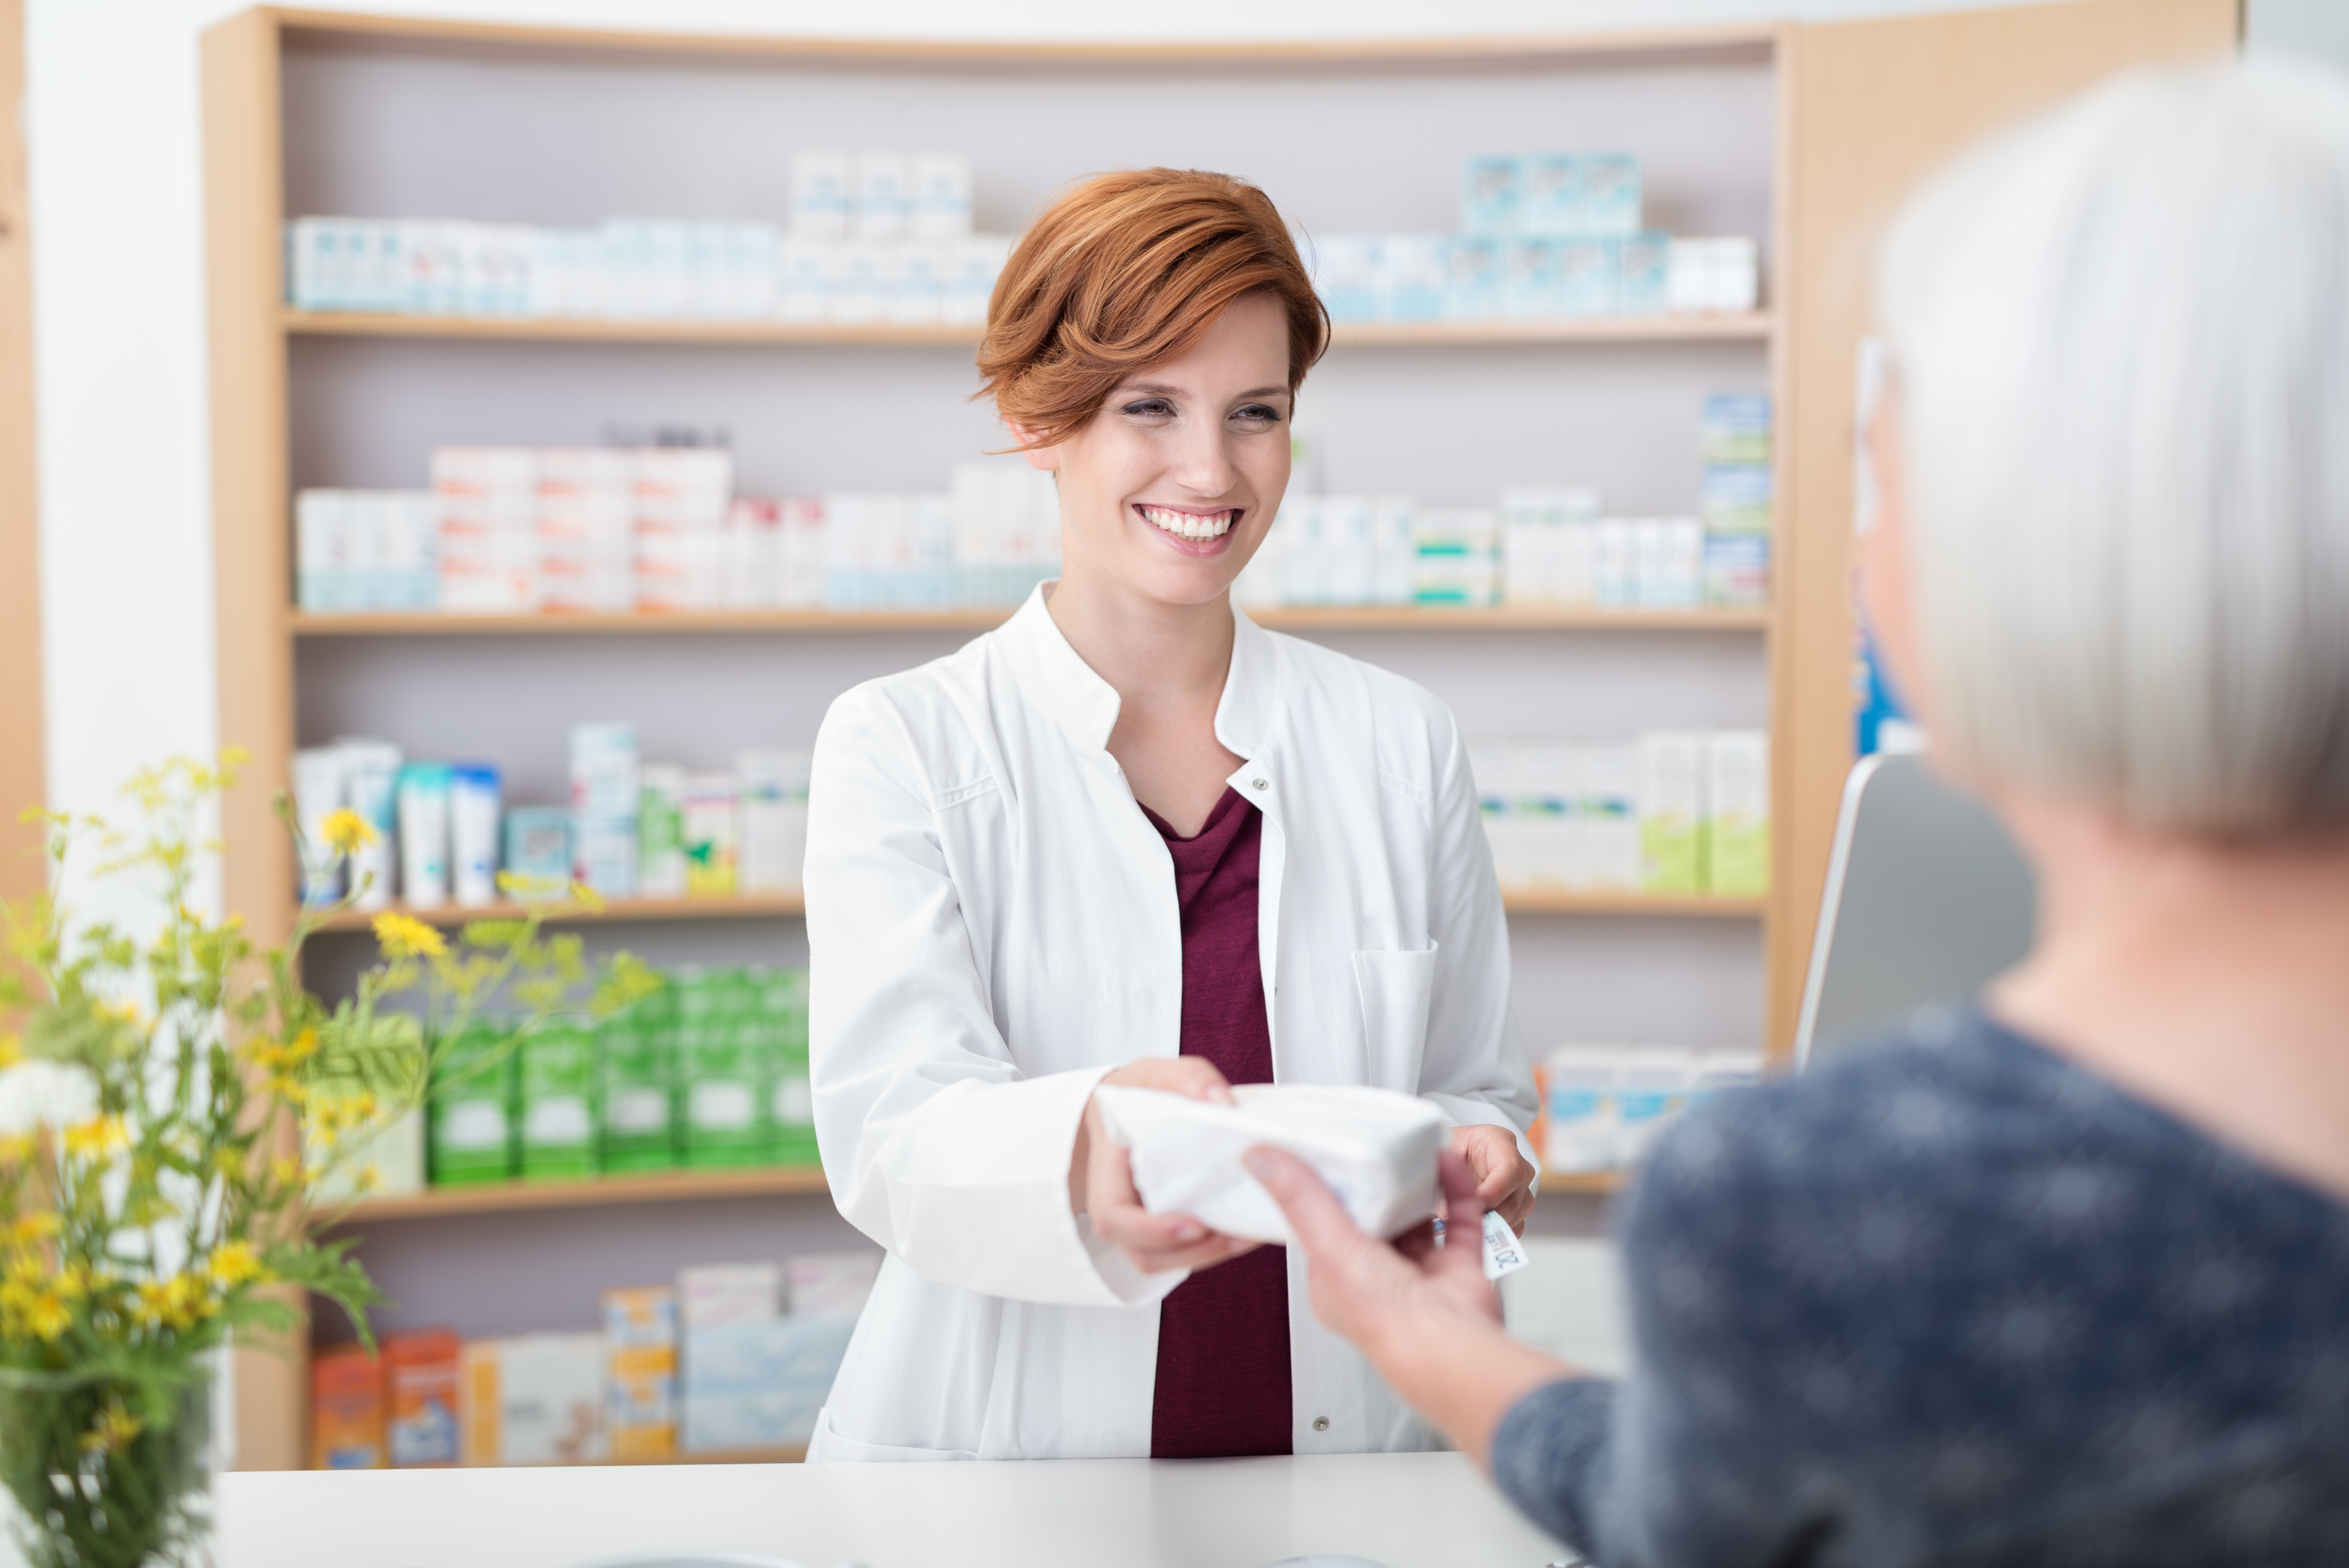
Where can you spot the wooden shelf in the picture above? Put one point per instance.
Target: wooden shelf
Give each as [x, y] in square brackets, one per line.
[1719, 906]
[1755, 327]
[448, 916]
[595, 1192]
[1517, 901]
[1325, 618]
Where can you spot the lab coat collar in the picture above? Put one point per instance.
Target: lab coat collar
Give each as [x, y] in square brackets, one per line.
[1086, 706]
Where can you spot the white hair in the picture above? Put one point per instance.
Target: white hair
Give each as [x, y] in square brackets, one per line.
[2120, 336]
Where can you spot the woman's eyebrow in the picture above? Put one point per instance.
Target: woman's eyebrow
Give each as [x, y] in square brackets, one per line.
[1162, 389]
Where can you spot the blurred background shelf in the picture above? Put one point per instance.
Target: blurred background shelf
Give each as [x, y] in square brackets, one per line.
[1523, 901]
[1587, 1184]
[781, 334]
[651, 1187]
[448, 916]
[1330, 618]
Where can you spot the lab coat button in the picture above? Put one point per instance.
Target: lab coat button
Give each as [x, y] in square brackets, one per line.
[1258, 784]
[1320, 1423]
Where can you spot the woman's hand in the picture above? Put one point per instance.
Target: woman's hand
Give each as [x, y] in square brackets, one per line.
[1504, 1178]
[1426, 1315]
[1100, 1177]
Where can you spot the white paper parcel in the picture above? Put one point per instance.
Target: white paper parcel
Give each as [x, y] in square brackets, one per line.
[1375, 1148]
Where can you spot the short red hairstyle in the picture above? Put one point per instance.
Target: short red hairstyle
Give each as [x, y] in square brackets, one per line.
[1129, 270]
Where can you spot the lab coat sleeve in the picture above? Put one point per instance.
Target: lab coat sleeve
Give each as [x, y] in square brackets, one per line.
[1474, 1066]
[935, 1142]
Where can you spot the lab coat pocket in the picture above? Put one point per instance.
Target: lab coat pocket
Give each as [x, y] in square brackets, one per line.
[1395, 989]
[827, 1447]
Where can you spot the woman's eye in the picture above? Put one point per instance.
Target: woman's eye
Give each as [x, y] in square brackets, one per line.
[1256, 415]
[1148, 409]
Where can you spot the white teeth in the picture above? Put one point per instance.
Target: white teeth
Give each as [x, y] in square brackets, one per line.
[1190, 525]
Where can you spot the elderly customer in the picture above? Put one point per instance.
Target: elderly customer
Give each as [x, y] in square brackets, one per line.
[2062, 1275]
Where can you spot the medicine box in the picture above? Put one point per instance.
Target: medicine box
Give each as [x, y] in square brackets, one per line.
[471, 1115]
[759, 1383]
[421, 1393]
[557, 1102]
[721, 1066]
[638, 1093]
[714, 1294]
[346, 1413]
[538, 848]
[1490, 187]
[535, 1399]
[830, 1284]
[782, 1018]
[640, 1364]
[1737, 796]
[1672, 811]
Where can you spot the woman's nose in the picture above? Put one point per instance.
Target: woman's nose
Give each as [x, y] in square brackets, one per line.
[1204, 467]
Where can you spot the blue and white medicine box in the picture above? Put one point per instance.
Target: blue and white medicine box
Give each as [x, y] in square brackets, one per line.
[1643, 274]
[1549, 194]
[1489, 187]
[1412, 271]
[1610, 201]
[1586, 276]
[1530, 277]
[1472, 289]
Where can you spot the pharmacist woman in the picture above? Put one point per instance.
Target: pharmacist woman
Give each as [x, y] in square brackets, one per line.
[1131, 838]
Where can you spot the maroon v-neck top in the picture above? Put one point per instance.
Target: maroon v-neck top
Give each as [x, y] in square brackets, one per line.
[1223, 1335]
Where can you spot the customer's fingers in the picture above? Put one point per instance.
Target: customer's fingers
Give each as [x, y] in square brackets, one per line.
[1463, 1215]
[1322, 1225]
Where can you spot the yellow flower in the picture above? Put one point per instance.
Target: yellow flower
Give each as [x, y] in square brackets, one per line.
[405, 936]
[586, 898]
[368, 1179]
[234, 1263]
[44, 1312]
[114, 1428]
[175, 1303]
[12, 1050]
[99, 1136]
[28, 1229]
[347, 832]
[16, 1148]
[285, 1170]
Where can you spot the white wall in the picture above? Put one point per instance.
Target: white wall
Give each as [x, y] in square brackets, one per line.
[117, 218]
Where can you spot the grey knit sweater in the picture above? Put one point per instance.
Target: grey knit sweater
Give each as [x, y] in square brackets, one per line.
[1954, 1300]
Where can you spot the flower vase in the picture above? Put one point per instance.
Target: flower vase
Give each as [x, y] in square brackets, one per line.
[93, 1486]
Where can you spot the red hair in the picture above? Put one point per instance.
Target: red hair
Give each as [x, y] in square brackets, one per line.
[1130, 270]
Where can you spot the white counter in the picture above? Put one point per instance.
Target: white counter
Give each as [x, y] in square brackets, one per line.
[1404, 1511]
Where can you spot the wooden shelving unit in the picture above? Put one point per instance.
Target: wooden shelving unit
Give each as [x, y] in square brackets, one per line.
[818, 335]
[1299, 618]
[448, 916]
[1517, 901]
[513, 1197]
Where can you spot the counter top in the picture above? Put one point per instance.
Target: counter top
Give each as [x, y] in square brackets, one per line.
[1400, 1511]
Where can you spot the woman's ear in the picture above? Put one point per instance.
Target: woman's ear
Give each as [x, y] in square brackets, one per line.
[1047, 459]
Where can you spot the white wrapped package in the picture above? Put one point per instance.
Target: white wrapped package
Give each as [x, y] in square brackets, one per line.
[1375, 1148]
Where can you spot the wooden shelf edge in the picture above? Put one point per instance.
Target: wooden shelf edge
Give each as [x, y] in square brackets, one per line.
[519, 1197]
[1299, 618]
[447, 916]
[1754, 327]
[1717, 906]
[1585, 1183]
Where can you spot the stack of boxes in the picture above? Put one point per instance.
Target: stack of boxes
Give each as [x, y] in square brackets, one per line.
[708, 1072]
[1603, 1107]
[587, 530]
[366, 550]
[684, 549]
[1738, 498]
[488, 501]
[1544, 235]
[604, 805]
[1669, 812]
[733, 1358]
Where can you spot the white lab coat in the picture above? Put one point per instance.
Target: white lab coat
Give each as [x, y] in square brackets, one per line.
[992, 927]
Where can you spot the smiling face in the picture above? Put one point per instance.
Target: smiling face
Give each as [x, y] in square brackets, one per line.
[1168, 490]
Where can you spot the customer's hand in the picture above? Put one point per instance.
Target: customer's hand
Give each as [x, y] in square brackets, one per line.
[1100, 1177]
[1424, 1315]
[1504, 1178]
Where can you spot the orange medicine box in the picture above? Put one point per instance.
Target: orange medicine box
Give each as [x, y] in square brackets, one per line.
[420, 1387]
[640, 1372]
[346, 1429]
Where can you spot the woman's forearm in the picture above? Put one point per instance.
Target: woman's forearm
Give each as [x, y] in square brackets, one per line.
[1463, 1374]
